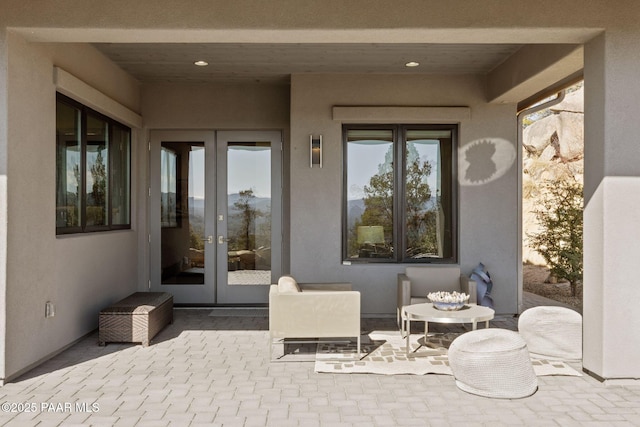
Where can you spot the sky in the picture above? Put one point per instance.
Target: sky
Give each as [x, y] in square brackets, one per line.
[364, 158]
[246, 169]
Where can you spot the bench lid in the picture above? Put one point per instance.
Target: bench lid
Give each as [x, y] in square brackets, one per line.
[138, 303]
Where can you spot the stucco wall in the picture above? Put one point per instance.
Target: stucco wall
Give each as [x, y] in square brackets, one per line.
[3, 194]
[215, 106]
[488, 226]
[80, 274]
[612, 205]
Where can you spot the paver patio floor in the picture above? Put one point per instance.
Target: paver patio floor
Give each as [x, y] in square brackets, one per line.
[214, 371]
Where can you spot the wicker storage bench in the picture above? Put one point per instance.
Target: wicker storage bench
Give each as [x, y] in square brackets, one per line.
[137, 318]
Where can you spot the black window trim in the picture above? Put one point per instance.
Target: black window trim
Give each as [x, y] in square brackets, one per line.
[84, 228]
[399, 211]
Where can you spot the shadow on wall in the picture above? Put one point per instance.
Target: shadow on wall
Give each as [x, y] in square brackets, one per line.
[485, 160]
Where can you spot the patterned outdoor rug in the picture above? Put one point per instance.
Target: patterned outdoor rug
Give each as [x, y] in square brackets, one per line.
[385, 355]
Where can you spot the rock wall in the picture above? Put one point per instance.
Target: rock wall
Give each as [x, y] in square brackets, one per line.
[553, 149]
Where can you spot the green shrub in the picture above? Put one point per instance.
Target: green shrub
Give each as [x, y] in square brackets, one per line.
[560, 239]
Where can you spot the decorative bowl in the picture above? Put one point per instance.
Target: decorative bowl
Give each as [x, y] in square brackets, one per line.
[448, 306]
[448, 301]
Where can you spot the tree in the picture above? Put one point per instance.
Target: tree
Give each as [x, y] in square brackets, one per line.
[421, 221]
[378, 201]
[99, 175]
[420, 218]
[195, 238]
[560, 239]
[97, 206]
[248, 214]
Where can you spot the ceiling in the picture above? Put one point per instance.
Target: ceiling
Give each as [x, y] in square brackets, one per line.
[274, 63]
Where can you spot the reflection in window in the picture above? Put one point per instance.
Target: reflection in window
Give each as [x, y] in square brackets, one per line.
[182, 213]
[411, 206]
[168, 188]
[369, 189]
[92, 184]
[249, 212]
[427, 207]
[68, 178]
[120, 176]
[97, 158]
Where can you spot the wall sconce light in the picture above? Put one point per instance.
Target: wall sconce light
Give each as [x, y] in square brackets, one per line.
[315, 151]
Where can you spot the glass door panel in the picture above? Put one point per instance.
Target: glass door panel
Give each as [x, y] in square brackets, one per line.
[249, 200]
[249, 213]
[182, 213]
[182, 246]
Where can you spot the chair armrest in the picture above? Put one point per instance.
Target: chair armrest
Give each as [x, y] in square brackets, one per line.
[469, 287]
[404, 290]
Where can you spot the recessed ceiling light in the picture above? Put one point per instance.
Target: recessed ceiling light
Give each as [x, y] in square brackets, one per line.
[412, 64]
[201, 63]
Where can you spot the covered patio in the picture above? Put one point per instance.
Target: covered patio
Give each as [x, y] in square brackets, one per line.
[214, 370]
[277, 82]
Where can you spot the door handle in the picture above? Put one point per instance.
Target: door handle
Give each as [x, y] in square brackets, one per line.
[208, 239]
[222, 240]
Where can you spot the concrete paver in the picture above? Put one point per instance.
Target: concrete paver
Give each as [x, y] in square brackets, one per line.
[214, 371]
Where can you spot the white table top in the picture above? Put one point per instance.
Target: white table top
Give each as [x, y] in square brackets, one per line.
[468, 314]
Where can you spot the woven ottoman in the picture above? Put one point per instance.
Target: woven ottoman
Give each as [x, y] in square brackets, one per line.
[137, 318]
[493, 363]
[552, 332]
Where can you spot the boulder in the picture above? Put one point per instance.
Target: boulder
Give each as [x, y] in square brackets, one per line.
[548, 153]
[570, 129]
[537, 136]
[553, 151]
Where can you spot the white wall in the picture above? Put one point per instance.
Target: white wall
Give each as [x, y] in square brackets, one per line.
[488, 226]
[80, 274]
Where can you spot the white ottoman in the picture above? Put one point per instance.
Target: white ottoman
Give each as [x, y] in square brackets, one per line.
[493, 363]
[552, 332]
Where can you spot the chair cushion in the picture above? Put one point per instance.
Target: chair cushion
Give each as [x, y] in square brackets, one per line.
[288, 284]
[433, 279]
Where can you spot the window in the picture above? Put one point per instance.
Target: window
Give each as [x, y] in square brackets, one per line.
[93, 170]
[400, 193]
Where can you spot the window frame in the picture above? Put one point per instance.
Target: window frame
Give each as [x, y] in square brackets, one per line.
[399, 193]
[111, 124]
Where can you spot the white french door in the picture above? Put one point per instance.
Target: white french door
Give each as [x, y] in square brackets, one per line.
[215, 212]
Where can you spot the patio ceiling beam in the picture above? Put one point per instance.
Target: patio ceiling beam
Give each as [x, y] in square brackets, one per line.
[532, 69]
[309, 35]
[488, 16]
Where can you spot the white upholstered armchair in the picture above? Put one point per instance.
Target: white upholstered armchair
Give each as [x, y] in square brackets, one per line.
[323, 310]
[416, 282]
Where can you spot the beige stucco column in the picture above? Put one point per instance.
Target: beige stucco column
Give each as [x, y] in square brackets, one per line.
[612, 205]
